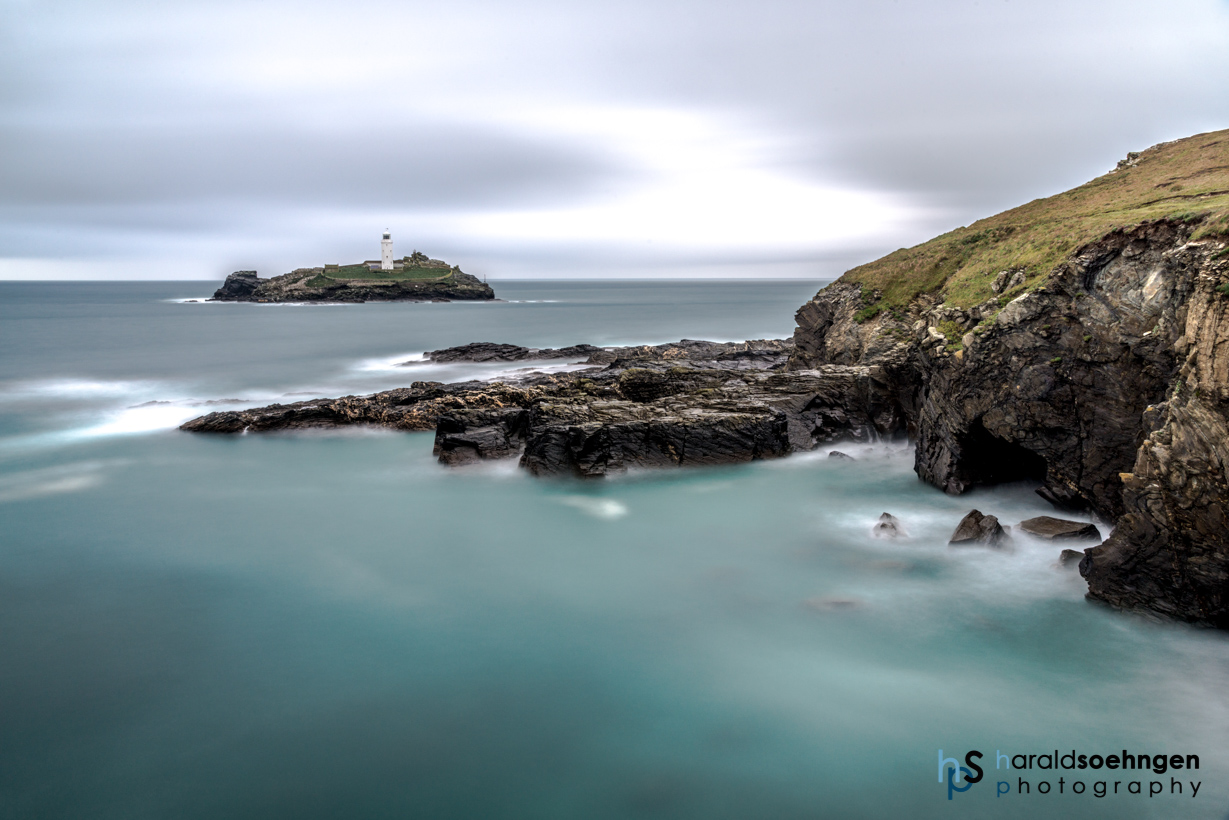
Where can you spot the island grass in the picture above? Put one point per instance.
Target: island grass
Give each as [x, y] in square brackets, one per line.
[410, 272]
[1187, 179]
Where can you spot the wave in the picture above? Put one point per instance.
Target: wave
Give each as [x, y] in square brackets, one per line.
[606, 508]
[384, 364]
[64, 478]
[73, 389]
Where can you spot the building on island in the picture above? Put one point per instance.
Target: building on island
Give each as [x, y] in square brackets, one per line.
[386, 251]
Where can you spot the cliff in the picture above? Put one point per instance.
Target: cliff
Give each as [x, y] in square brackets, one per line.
[415, 278]
[1098, 368]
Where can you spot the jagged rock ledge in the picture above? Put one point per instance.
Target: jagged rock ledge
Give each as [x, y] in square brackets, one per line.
[688, 403]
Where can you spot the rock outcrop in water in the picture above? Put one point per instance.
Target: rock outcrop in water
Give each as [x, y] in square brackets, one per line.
[687, 403]
[493, 352]
[1059, 529]
[978, 529]
[415, 279]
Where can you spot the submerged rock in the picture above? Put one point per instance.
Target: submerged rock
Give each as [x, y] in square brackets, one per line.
[976, 528]
[1069, 558]
[837, 454]
[888, 526]
[1059, 529]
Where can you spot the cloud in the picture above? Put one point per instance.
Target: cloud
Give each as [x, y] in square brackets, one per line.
[666, 134]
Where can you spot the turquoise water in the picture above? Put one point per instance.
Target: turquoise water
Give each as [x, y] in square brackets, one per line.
[331, 624]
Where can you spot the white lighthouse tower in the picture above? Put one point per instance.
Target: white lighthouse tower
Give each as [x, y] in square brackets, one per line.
[386, 252]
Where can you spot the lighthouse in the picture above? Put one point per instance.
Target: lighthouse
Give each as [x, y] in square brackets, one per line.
[386, 252]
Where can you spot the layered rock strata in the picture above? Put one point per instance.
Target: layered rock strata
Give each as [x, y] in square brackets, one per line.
[634, 407]
[1108, 382]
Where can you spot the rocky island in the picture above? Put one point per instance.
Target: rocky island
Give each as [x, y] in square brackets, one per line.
[415, 278]
[1080, 341]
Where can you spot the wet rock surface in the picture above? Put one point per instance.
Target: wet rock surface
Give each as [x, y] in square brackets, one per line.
[976, 529]
[1070, 558]
[650, 406]
[1059, 529]
[493, 352]
[889, 526]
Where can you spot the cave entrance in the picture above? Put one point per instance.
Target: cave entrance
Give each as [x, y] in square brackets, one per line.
[988, 459]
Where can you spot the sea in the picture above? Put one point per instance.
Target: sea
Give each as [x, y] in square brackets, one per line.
[330, 624]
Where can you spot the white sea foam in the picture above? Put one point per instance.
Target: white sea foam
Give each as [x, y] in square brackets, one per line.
[73, 389]
[64, 478]
[386, 364]
[606, 508]
[141, 419]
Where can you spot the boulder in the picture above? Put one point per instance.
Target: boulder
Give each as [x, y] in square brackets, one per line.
[1070, 558]
[888, 526]
[1059, 529]
[837, 454]
[976, 528]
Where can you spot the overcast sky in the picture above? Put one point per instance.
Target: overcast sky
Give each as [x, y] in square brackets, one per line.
[518, 139]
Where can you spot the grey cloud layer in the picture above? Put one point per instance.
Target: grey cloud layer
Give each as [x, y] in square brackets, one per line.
[139, 125]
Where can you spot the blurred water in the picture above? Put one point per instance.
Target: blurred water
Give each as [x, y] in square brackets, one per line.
[331, 624]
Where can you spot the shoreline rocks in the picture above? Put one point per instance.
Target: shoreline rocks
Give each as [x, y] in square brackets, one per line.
[686, 403]
[978, 529]
[1058, 529]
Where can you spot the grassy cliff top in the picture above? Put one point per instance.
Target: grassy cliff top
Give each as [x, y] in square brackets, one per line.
[1185, 179]
[408, 271]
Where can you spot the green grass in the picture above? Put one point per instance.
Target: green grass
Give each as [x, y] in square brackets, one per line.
[415, 272]
[954, 333]
[1187, 179]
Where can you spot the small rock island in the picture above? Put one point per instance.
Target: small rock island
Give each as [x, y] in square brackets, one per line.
[414, 278]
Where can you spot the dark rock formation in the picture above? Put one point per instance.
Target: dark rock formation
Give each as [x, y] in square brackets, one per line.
[977, 529]
[1070, 558]
[646, 407]
[888, 526]
[1059, 529]
[319, 285]
[1108, 383]
[238, 287]
[839, 456]
[493, 352]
